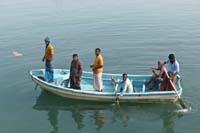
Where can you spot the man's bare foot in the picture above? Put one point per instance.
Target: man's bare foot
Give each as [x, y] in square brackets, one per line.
[99, 90]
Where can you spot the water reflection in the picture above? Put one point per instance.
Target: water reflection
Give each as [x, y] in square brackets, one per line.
[169, 121]
[120, 115]
[53, 104]
[53, 118]
[99, 119]
[95, 116]
[78, 118]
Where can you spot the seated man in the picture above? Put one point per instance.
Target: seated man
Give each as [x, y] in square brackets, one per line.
[173, 67]
[128, 87]
[166, 84]
[156, 79]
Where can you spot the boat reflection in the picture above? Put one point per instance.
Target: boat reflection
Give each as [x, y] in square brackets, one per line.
[54, 104]
[119, 114]
[169, 121]
[53, 119]
[78, 118]
[127, 116]
[99, 119]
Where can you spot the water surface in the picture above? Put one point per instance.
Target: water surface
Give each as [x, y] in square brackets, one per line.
[133, 35]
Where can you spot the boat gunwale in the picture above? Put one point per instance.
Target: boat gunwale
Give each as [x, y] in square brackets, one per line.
[134, 94]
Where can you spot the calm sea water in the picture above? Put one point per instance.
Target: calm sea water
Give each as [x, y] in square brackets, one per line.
[133, 35]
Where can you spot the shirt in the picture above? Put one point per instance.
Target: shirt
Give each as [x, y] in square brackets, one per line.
[173, 68]
[76, 68]
[98, 61]
[161, 72]
[49, 51]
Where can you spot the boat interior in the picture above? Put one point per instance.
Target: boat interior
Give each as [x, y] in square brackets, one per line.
[61, 80]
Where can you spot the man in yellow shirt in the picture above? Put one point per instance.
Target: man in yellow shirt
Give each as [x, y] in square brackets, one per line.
[48, 58]
[97, 68]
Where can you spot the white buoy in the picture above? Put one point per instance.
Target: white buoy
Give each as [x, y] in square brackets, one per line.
[17, 54]
[184, 110]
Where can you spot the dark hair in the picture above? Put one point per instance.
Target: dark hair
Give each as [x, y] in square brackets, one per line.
[171, 56]
[74, 55]
[98, 49]
[124, 74]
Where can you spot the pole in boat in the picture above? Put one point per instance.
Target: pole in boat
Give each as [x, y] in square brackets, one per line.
[115, 85]
[179, 98]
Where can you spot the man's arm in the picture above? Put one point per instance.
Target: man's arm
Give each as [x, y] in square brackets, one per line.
[100, 64]
[43, 59]
[81, 70]
[51, 53]
[177, 68]
[113, 80]
[166, 62]
[153, 71]
[97, 67]
[175, 72]
[70, 71]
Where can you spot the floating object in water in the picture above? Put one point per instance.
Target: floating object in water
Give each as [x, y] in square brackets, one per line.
[184, 110]
[17, 54]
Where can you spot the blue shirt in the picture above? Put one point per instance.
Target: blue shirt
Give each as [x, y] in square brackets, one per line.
[173, 68]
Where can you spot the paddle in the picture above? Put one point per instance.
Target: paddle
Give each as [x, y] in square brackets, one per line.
[179, 98]
[115, 85]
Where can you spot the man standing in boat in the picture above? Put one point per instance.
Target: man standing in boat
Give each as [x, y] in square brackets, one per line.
[173, 67]
[75, 73]
[97, 68]
[48, 58]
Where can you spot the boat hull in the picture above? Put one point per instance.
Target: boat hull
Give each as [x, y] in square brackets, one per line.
[142, 97]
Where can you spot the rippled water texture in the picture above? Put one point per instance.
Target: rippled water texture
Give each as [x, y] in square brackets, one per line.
[133, 35]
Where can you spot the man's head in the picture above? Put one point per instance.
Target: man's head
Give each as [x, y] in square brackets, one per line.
[47, 40]
[171, 58]
[160, 63]
[124, 76]
[75, 57]
[97, 51]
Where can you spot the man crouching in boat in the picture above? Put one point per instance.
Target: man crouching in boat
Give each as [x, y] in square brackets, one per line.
[172, 71]
[75, 73]
[48, 58]
[128, 87]
[156, 79]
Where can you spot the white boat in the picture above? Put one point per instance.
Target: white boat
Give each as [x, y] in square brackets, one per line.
[61, 88]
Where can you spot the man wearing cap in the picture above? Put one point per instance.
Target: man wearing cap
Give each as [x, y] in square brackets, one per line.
[48, 58]
[173, 67]
[97, 68]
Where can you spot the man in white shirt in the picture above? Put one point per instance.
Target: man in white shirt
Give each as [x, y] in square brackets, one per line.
[128, 87]
[173, 67]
